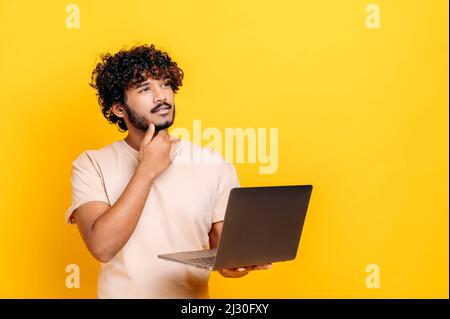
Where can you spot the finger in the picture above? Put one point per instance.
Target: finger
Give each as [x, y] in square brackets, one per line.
[241, 271]
[163, 133]
[149, 134]
[263, 266]
[227, 272]
[237, 274]
[238, 270]
[230, 270]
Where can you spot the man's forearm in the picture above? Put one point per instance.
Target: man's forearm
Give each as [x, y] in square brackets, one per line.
[112, 230]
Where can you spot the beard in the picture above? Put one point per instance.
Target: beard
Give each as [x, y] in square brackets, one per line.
[142, 124]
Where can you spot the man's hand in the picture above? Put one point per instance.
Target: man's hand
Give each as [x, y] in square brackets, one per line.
[242, 271]
[155, 152]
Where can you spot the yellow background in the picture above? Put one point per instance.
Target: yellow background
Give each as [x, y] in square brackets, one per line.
[362, 115]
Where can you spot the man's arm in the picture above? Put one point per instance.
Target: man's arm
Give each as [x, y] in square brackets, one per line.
[106, 229]
[214, 234]
[214, 237]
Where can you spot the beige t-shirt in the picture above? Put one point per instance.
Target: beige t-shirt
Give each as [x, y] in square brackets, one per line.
[183, 203]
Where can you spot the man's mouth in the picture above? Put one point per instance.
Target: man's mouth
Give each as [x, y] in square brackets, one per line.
[162, 110]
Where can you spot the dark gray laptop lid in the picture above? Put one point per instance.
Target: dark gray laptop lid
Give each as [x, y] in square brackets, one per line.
[262, 225]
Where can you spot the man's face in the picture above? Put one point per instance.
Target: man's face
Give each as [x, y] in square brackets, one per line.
[151, 101]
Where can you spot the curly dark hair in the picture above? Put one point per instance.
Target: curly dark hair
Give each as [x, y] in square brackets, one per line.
[116, 73]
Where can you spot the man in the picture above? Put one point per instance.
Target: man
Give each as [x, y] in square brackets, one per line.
[146, 195]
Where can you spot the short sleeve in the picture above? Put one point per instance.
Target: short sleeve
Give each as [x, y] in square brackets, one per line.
[228, 180]
[87, 184]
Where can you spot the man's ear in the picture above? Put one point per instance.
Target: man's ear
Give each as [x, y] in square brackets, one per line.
[118, 110]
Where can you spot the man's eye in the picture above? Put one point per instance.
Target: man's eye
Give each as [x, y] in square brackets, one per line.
[167, 83]
[144, 89]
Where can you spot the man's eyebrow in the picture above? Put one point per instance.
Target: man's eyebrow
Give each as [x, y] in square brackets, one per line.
[139, 85]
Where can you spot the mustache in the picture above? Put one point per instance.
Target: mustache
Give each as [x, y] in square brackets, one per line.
[157, 107]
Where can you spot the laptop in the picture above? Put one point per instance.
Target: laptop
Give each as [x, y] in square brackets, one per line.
[262, 225]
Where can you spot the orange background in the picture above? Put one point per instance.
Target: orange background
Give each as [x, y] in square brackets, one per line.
[362, 115]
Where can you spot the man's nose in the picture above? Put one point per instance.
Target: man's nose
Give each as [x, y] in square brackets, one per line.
[159, 95]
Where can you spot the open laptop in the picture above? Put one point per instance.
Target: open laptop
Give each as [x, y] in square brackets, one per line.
[262, 225]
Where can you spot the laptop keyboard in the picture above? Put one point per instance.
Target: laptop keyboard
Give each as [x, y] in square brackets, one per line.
[204, 261]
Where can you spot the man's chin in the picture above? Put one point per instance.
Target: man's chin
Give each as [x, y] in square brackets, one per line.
[163, 126]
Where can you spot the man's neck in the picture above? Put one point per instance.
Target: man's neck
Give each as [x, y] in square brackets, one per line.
[134, 140]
